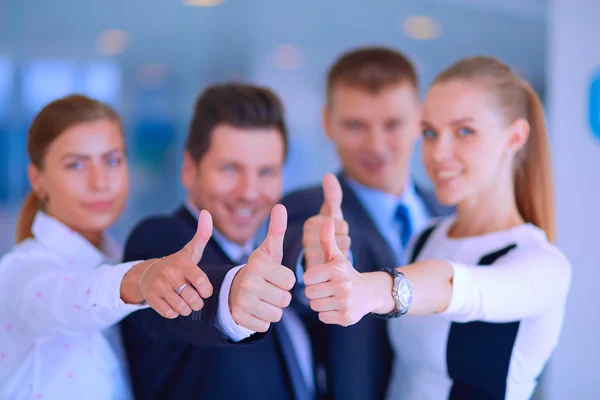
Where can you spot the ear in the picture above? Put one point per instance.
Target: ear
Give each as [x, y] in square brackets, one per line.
[189, 170]
[519, 133]
[34, 175]
[326, 119]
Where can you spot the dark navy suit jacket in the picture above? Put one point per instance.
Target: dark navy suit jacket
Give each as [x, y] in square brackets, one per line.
[357, 359]
[188, 358]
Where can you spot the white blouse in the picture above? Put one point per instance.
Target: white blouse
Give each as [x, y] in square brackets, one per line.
[59, 303]
[522, 294]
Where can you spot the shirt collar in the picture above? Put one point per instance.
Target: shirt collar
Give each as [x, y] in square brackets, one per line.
[382, 205]
[56, 236]
[233, 250]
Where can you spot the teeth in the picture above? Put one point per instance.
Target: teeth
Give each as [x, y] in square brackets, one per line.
[448, 174]
[243, 212]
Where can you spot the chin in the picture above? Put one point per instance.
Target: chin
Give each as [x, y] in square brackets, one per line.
[100, 223]
[447, 197]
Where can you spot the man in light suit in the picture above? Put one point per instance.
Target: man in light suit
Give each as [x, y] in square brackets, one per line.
[244, 343]
[372, 116]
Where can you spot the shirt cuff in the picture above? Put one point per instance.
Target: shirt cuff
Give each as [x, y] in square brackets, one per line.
[108, 289]
[460, 290]
[225, 323]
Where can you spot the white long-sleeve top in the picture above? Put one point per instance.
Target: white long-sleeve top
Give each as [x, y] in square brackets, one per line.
[59, 303]
[519, 300]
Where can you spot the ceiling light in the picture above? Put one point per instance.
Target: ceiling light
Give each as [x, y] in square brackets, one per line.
[421, 27]
[113, 42]
[202, 3]
[287, 57]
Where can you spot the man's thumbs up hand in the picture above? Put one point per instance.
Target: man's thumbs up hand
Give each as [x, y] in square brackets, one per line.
[261, 289]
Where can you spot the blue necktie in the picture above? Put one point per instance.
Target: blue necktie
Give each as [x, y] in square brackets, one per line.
[403, 217]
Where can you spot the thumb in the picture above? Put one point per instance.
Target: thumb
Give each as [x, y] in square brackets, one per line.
[328, 243]
[332, 193]
[273, 243]
[195, 247]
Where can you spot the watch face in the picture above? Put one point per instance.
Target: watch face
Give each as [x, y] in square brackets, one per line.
[405, 292]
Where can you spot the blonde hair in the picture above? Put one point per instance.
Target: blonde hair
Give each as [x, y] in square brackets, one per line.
[534, 191]
[47, 126]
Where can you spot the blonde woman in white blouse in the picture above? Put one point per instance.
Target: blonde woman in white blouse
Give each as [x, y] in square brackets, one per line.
[60, 297]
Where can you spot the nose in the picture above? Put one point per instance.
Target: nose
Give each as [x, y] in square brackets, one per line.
[248, 186]
[375, 141]
[438, 149]
[98, 178]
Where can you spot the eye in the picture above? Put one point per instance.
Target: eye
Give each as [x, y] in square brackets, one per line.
[75, 165]
[114, 161]
[429, 134]
[228, 168]
[393, 125]
[354, 126]
[465, 131]
[268, 172]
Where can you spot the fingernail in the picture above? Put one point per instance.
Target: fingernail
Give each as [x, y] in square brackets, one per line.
[171, 314]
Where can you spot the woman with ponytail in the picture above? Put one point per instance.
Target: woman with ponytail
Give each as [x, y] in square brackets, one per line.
[486, 288]
[59, 297]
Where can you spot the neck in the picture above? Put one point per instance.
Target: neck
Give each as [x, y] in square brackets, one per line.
[95, 238]
[492, 211]
[395, 188]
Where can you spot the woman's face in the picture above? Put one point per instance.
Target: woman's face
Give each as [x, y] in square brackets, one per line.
[85, 177]
[467, 144]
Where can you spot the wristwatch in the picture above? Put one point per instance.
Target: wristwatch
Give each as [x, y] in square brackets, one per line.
[401, 292]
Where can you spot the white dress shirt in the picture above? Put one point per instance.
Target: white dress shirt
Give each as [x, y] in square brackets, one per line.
[59, 303]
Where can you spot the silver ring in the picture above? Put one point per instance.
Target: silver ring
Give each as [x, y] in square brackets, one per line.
[181, 288]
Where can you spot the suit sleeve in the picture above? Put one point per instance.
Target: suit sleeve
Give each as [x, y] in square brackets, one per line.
[159, 238]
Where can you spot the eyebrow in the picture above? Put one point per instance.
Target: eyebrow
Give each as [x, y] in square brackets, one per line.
[86, 156]
[455, 122]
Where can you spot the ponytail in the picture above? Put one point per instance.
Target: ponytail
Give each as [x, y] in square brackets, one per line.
[534, 190]
[29, 209]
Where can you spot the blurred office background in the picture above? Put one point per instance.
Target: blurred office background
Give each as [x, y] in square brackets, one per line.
[151, 58]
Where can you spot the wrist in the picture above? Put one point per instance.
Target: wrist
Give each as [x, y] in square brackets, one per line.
[383, 300]
[130, 289]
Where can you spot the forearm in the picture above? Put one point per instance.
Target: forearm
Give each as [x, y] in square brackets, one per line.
[74, 302]
[130, 285]
[431, 284]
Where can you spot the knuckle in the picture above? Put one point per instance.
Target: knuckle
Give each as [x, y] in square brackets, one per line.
[347, 317]
[277, 314]
[285, 298]
[246, 286]
[263, 326]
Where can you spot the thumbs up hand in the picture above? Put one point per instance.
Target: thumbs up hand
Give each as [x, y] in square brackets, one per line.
[339, 293]
[261, 289]
[174, 285]
[331, 208]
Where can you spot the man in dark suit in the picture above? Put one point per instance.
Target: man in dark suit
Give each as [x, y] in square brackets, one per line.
[372, 116]
[232, 348]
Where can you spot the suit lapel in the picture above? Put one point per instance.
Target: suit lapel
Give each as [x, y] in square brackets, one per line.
[361, 226]
[213, 254]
